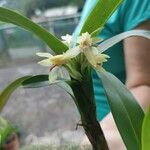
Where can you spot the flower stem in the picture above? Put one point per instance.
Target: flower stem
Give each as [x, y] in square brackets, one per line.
[85, 102]
[95, 136]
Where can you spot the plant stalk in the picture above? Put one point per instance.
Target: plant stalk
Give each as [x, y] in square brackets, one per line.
[85, 102]
[95, 135]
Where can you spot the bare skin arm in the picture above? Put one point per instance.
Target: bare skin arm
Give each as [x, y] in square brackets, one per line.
[137, 59]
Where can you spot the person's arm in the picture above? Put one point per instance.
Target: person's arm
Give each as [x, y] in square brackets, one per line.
[137, 56]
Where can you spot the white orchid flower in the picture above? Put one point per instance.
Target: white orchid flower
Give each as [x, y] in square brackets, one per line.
[84, 41]
[86, 45]
[52, 62]
[55, 63]
[58, 60]
[95, 58]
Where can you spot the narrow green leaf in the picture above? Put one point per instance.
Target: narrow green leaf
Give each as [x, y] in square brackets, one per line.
[100, 14]
[127, 113]
[42, 81]
[66, 87]
[106, 44]
[5, 94]
[146, 132]
[10, 16]
[36, 81]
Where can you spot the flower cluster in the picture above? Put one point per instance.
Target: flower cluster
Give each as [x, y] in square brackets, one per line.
[86, 44]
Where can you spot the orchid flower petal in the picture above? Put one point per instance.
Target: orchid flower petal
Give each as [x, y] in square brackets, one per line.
[58, 59]
[95, 58]
[114, 40]
[47, 55]
[73, 52]
[45, 62]
[90, 55]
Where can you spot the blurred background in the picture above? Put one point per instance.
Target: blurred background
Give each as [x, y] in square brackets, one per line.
[45, 113]
[57, 16]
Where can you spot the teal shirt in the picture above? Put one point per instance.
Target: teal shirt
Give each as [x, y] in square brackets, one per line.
[129, 15]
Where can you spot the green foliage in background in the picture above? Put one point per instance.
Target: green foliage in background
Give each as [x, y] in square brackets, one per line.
[6, 130]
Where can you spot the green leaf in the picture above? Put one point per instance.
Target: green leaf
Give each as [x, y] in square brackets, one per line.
[66, 87]
[5, 94]
[36, 81]
[100, 14]
[127, 113]
[10, 16]
[146, 132]
[42, 81]
[106, 44]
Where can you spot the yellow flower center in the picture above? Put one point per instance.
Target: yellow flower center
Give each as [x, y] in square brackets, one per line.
[85, 44]
[58, 60]
[84, 41]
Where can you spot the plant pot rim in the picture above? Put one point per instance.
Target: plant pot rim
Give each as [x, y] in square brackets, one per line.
[13, 144]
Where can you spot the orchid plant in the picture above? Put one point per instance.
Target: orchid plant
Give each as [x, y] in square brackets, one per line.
[71, 68]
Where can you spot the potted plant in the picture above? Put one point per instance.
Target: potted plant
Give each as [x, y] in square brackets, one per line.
[8, 135]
